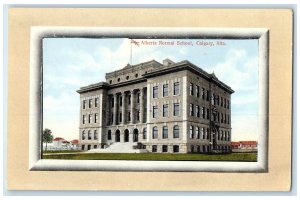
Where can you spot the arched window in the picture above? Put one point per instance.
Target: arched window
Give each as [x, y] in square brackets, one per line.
[83, 135]
[165, 132]
[154, 132]
[95, 135]
[89, 135]
[176, 131]
[145, 133]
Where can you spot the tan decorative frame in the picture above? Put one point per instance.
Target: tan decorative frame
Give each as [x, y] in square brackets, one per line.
[277, 178]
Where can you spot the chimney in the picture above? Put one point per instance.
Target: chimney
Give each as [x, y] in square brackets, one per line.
[167, 62]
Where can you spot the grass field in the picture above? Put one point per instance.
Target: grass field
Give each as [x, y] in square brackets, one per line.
[245, 157]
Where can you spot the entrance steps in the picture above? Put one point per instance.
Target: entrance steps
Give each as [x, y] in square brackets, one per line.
[118, 147]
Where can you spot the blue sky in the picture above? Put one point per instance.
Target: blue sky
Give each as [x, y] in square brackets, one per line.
[70, 63]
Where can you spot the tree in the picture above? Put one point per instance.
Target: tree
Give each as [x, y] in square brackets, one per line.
[47, 136]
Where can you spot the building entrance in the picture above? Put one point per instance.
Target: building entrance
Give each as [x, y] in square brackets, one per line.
[135, 135]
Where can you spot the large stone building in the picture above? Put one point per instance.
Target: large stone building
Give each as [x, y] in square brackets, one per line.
[169, 107]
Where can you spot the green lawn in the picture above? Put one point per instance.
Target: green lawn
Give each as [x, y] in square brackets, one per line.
[246, 157]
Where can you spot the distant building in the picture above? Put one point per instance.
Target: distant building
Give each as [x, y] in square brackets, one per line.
[243, 146]
[162, 107]
[59, 143]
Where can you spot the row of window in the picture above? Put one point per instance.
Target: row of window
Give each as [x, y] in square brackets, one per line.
[165, 109]
[203, 113]
[206, 148]
[90, 118]
[165, 90]
[205, 95]
[89, 135]
[138, 100]
[128, 117]
[203, 133]
[165, 133]
[165, 148]
[90, 103]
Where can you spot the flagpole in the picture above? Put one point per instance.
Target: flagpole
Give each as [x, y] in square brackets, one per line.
[131, 51]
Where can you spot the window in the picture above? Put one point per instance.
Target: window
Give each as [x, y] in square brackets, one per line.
[154, 148]
[203, 112]
[165, 132]
[221, 101]
[90, 103]
[89, 135]
[109, 135]
[202, 136]
[228, 104]
[191, 132]
[197, 132]
[120, 117]
[155, 111]
[83, 135]
[155, 92]
[90, 118]
[165, 110]
[129, 116]
[175, 148]
[176, 131]
[207, 95]
[197, 111]
[95, 135]
[96, 101]
[225, 101]
[207, 113]
[203, 93]
[83, 104]
[191, 89]
[83, 119]
[110, 81]
[176, 109]
[154, 132]
[136, 75]
[138, 97]
[207, 133]
[129, 99]
[165, 148]
[96, 118]
[213, 99]
[112, 102]
[120, 100]
[138, 113]
[221, 135]
[119, 79]
[165, 90]
[191, 109]
[176, 88]
[127, 77]
[145, 133]
[197, 91]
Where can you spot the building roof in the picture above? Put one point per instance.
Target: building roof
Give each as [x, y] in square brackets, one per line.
[155, 69]
[235, 143]
[58, 139]
[74, 141]
[248, 142]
